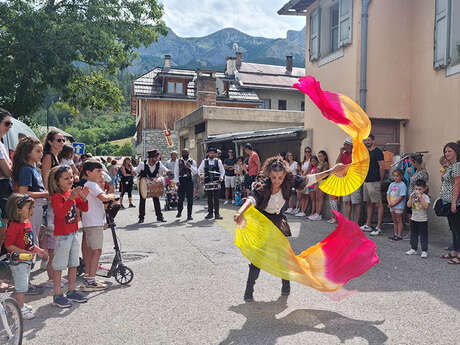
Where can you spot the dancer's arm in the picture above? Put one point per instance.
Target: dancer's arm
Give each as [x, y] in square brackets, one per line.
[239, 216]
[338, 168]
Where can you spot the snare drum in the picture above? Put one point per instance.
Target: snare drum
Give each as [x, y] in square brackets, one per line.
[151, 187]
[211, 186]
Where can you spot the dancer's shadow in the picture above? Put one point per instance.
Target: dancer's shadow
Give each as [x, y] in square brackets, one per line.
[263, 327]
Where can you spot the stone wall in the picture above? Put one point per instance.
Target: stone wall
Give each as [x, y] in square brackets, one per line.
[155, 139]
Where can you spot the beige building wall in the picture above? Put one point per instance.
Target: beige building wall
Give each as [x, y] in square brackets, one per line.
[294, 98]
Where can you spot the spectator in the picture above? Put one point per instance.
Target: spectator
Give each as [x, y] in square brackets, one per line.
[229, 166]
[66, 158]
[372, 190]
[113, 172]
[239, 180]
[253, 163]
[294, 170]
[171, 163]
[396, 197]
[302, 196]
[127, 181]
[419, 202]
[310, 190]
[323, 165]
[6, 186]
[450, 194]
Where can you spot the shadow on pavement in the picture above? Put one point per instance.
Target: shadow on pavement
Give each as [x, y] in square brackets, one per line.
[263, 327]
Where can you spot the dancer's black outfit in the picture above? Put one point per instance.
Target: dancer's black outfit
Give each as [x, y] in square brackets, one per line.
[183, 173]
[146, 170]
[213, 170]
[271, 206]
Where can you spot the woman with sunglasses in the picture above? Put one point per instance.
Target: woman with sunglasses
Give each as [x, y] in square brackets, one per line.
[269, 196]
[54, 142]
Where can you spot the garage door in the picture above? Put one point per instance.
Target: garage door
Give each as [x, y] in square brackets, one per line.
[387, 133]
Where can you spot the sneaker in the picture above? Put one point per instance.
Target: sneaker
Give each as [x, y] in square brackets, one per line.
[288, 211]
[397, 238]
[300, 214]
[27, 314]
[75, 296]
[89, 286]
[218, 216]
[226, 202]
[233, 202]
[392, 237]
[295, 211]
[412, 252]
[331, 221]
[317, 217]
[189, 218]
[132, 206]
[141, 220]
[208, 216]
[312, 216]
[376, 232]
[424, 255]
[28, 306]
[61, 301]
[34, 290]
[161, 220]
[367, 228]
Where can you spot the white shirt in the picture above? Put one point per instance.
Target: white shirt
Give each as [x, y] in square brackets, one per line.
[305, 166]
[192, 168]
[212, 162]
[4, 155]
[96, 213]
[171, 165]
[293, 167]
[162, 170]
[69, 162]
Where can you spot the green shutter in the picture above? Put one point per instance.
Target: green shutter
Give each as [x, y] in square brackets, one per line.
[345, 22]
[441, 33]
[315, 26]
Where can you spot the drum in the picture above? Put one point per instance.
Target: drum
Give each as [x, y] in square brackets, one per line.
[151, 187]
[211, 186]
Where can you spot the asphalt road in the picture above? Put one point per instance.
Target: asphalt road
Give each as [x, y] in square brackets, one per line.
[189, 284]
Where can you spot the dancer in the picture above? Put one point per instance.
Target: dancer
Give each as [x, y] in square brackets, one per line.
[183, 174]
[214, 173]
[269, 197]
[151, 168]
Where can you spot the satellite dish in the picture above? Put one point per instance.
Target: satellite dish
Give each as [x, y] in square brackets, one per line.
[235, 47]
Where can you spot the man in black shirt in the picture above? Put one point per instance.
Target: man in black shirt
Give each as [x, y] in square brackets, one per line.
[372, 192]
[229, 166]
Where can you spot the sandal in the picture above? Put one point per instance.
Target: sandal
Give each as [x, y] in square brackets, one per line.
[454, 261]
[447, 256]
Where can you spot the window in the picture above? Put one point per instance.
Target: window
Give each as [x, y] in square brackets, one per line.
[267, 104]
[330, 28]
[175, 87]
[282, 104]
[302, 106]
[447, 34]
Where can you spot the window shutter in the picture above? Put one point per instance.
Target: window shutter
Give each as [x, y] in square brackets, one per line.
[345, 22]
[315, 25]
[441, 26]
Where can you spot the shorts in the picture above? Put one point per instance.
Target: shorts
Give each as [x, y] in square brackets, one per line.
[230, 181]
[354, 197]
[113, 181]
[50, 239]
[37, 218]
[397, 210]
[94, 237]
[67, 252]
[21, 273]
[372, 192]
[310, 189]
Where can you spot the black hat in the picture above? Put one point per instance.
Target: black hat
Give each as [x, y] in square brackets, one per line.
[211, 149]
[152, 153]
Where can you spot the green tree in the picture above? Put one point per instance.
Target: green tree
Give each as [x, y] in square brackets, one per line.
[74, 47]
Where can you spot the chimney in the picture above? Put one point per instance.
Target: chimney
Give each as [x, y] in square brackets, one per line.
[231, 66]
[289, 64]
[167, 63]
[205, 88]
[239, 59]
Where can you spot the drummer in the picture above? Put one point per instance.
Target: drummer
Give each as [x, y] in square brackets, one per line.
[213, 171]
[151, 168]
[183, 174]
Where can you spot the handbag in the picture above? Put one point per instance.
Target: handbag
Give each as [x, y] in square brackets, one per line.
[441, 208]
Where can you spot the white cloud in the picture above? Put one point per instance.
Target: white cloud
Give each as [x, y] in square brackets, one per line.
[255, 17]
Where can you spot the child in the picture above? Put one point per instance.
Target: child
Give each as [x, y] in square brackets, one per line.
[444, 165]
[20, 239]
[396, 197]
[93, 221]
[419, 202]
[64, 201]
[323, 165]
[310, 191]
[66, 158]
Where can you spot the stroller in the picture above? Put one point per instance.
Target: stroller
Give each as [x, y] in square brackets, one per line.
[171, 193]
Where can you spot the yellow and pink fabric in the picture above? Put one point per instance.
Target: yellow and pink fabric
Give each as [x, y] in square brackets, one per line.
[346, 253]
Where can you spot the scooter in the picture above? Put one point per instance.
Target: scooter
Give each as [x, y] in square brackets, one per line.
[122, 273]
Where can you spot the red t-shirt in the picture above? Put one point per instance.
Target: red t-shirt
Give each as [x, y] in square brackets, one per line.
[20, 235]
[346, 157]
[253, 162]
[65, 215]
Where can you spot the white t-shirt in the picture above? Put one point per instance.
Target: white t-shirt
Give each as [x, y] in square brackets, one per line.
[305, 166]
[4, 155]
[96, 213]
[275, 203]
[69, 162]
[293, 167]
[419, 214]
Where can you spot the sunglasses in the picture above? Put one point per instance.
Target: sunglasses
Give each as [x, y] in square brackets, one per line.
[60, 140]
[23, 200]
[307, 151]
[8, 123]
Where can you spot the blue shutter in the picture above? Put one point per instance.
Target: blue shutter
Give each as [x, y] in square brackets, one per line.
[315, 26]
[345, 22]
[441, 33]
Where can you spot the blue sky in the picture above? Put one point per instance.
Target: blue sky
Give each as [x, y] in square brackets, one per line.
[191, 18]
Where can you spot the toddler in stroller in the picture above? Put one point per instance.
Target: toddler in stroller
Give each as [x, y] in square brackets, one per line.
[171, 192]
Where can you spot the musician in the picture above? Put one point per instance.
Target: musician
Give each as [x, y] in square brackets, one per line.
[213, 171]
[183, 174]
[151, 168]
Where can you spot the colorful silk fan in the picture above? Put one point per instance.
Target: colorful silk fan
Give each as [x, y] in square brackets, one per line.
[345, 254]
[349, 116]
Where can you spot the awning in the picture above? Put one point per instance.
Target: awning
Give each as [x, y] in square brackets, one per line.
[292, 133]
[296, 8]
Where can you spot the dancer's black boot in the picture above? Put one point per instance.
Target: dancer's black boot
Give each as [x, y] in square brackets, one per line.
[286, 288]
